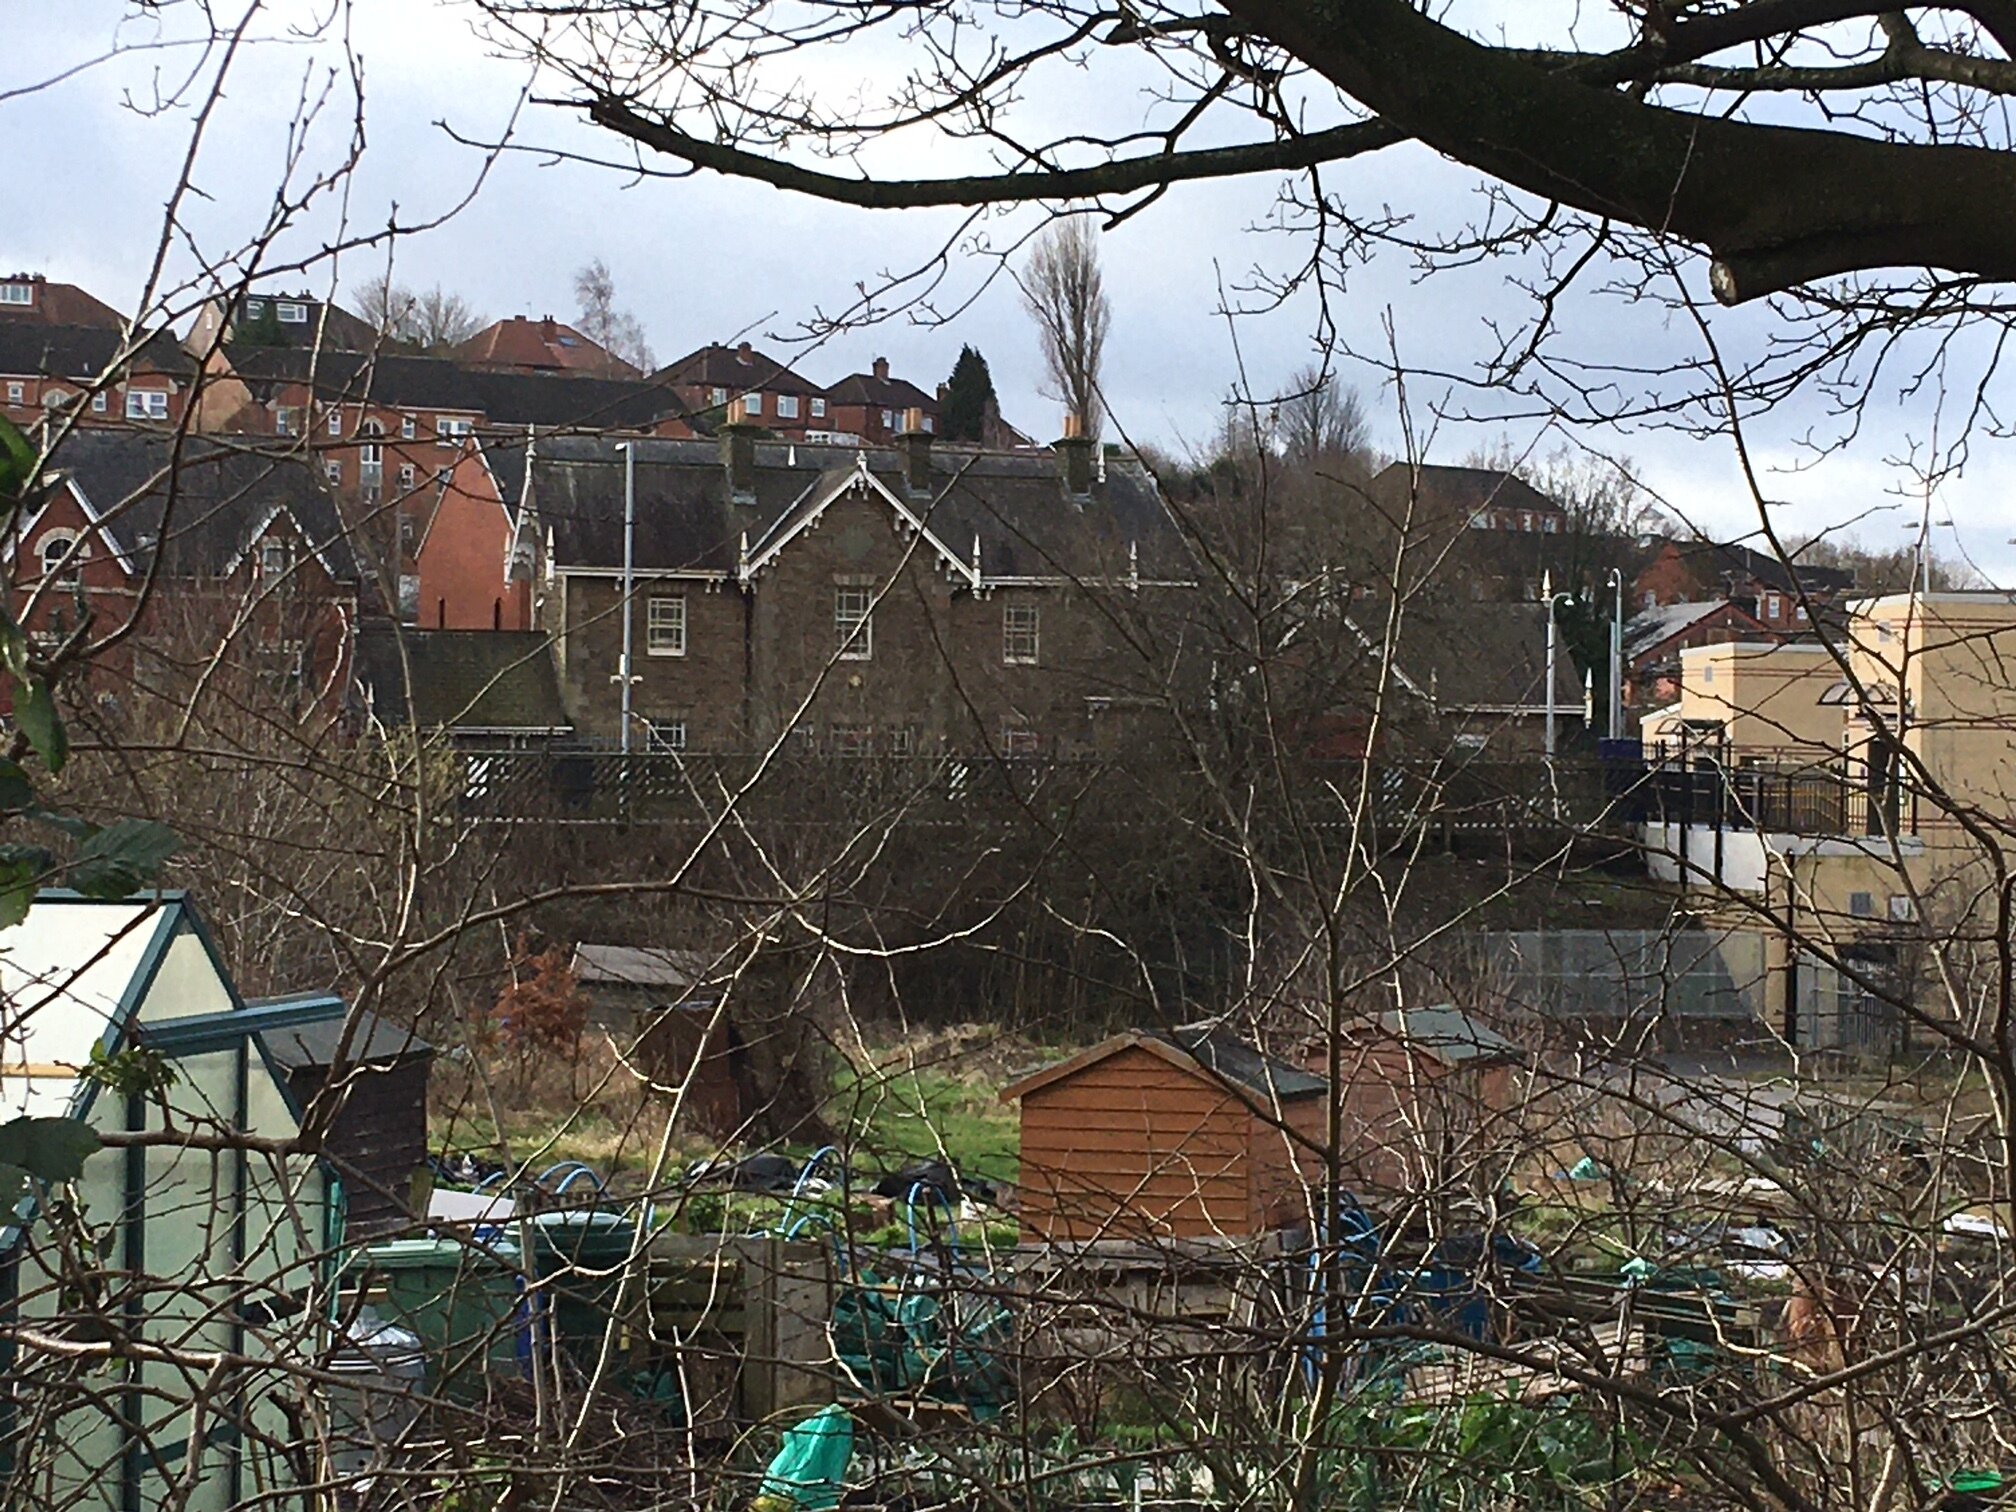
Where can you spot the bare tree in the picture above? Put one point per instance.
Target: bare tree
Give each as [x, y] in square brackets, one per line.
[1321, 420]
[433, 321]
[1065, 294]
[617, 331]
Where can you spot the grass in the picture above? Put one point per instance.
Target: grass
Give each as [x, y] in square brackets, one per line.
[926, 1112]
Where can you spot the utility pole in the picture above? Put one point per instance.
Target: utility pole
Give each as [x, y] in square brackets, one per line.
[629, 574]
[1617, 656]
[1547, 593]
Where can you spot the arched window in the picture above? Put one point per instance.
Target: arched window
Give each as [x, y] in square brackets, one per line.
[54, 552]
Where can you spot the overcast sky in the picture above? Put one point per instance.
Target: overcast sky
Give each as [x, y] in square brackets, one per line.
[704, 258]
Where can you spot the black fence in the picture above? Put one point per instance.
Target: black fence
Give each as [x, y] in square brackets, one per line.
[1812, 803]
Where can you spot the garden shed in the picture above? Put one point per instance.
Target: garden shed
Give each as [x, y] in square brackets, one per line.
[1422, 1090]
[1185, 1135]
[378, 1138]
[212, 1249]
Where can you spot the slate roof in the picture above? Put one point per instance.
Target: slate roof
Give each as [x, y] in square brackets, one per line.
[870, 392]
[642, 966]
[59, 304]
[1245, 1067]
[686, 519]
[1448, 1034]
[1466, 655]
[1736, 566]
[328, 328]
[1652, 628]
[461, 679]
[83, 352]
[739, 370]
[1460, 492]
[205, 514]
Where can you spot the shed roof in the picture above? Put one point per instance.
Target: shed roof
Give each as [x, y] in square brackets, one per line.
[1195, 1048]
[1448, 1034]
[374, 1041]
[643, 966]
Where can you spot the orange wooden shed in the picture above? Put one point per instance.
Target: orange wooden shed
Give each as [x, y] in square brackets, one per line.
[1146, 1136]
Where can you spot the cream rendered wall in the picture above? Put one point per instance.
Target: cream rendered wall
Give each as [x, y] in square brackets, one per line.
[1768, 697]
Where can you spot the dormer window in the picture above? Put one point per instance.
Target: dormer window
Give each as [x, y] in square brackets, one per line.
[275, 558]
[17, 294]
[292, 313]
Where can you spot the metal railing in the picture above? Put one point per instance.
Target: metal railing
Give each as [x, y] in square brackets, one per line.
[1811, 803]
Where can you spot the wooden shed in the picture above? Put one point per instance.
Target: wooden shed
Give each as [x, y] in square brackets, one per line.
[378, 1140]
[1184, 1136]
[1422, 1092]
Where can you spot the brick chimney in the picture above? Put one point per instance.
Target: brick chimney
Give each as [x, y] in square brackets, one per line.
[881, 369]
[738, 453]
[745, 355]
[913, 443]
[1074, 459]
[546, 331]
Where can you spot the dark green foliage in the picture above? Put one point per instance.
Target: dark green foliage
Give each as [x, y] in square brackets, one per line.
[968, 394]
[41, 1149]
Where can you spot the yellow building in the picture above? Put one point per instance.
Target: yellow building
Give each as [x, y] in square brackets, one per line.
[1764, 703]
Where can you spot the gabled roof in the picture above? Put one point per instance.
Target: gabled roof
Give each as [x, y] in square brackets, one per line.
[466, 680]
[1650, 629]
[1460, 493]
[203, 510]
[871, 392]
[1010, 504]
[80, 353]
[1255, 1076]
[1447, 1034]
[545, 345]
[667, 969]
[738, 369]
[328, 327]
[58, 304]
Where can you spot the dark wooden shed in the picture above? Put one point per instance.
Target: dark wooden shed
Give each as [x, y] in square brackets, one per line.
[1188, 1135]
[379, 1138]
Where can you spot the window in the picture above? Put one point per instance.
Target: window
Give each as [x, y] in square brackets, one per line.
[292, 313]
[17, 294]
[146, 404]
[930, 424]
[787, 406]
[1020, 637]
[1020, 742]
[448, 428]
[1648, 600]
[1862, 905]
[665, 735]
[717, 396]
[1708, 672]
[407, 476]
[17, 393]
[254, 308]
[1551, 525]
[1799, 613]
[333, 470]
[335, 422]
[903, 741]
[752, 405]
[1774, 606]
[408, 427]
[54, 399]
[54, 549]
[851, 740]
[888, 420]
[1900, 907]
[1526, 520]
[818, 409]
[371, 454]
[275, 558]
[98, 403]
[1480, 522]
[1472, 741]
[283, 421]
[854, 623]
[665, 626]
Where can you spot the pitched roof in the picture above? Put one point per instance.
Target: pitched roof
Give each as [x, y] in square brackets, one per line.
[1256, 1076]
[325, 327]
[1448, 1034]
[84, 352]
[1463, 655]
[1651, 628]
[373, 1040]
[1460, 492]
[204, 509]
[1012, 503]
[461, 679]
[544, 345]
[1735, 566]
[738, 369]
[643, 966]
[53, 303]
[880, 392]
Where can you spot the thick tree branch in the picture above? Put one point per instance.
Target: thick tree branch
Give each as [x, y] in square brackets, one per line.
[1774, 205]
[1124, 176]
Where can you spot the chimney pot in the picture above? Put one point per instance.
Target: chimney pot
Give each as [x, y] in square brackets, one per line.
[744, 354]
[881, 369]
[914, 443]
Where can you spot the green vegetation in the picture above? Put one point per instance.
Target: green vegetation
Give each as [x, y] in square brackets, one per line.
[895, 1114]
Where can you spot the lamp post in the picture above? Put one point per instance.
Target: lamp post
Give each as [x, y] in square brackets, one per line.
[1617, 655]
[629, 577]
[1547, 593]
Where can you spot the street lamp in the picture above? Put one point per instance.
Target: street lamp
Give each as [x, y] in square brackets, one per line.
[629, 579]
[1616, 584]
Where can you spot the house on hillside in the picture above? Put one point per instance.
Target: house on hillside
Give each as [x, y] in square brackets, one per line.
[1778, 594]
[1476, 498]
[282, 320]
[772, 396]
[876, 407]
[199, 1251]
[923, 602]
[32, 299]
[523, 345]
[476, 687]
[1188, 1135]
[238, 542]
[1655, 637]
[95, 375]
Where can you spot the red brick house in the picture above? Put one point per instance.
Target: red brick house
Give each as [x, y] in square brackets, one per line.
[1655, 637]
[1677, 572]
[281, 320]
[463, 553]
[251, 555]
[876, 407]
[921, 602]
[32, 299]
[92, 374]
[523, 345]
[773, 397]
[1475, 498]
